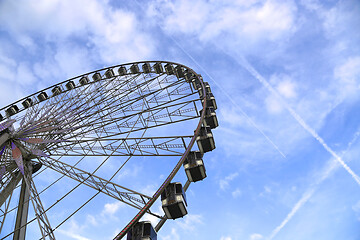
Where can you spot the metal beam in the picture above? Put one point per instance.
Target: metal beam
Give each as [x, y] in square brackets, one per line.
[22, 213]
[4, 194]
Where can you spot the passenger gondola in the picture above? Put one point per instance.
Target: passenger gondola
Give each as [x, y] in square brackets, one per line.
[84, 80]
[27, 103]
[205, 139]
[134, 69]
[109, 73]
[146, 68]
[42, 96]
[12, 110]
[142, 231]
[96, 76]
[194, 166]
[56, 90]
[173, 201]
[122, 71]
[210, 118]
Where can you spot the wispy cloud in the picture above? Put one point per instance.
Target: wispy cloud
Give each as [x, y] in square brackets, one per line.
[225, 182]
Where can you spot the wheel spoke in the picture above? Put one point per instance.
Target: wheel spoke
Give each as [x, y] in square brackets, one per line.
[111, 189]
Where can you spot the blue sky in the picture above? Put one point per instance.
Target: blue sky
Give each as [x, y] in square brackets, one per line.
[286, 76]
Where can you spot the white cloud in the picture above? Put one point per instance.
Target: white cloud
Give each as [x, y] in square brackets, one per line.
[112, 208]
[273, 105]
[92, 220]
[287, 88]
[174, 235]
[72, 235]
[76, 34]
[190, 222]
[256, 236]
[73, 231]
[224, 183]
[237, 193]
[348, 76]
[240, 22]
[356, 208]
[225, 238]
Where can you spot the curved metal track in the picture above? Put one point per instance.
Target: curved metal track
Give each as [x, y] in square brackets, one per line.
[105, 113]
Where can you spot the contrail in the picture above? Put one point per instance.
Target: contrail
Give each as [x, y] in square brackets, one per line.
[263, 81]
[230, 98]
[332, 166]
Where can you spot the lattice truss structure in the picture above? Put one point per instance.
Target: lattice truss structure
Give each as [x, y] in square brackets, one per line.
[147, 109]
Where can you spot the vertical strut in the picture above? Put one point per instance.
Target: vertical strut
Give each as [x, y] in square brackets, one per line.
[22, 212]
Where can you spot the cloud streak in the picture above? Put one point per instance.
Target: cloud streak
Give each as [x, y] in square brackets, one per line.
[332, 166]
[243, 62]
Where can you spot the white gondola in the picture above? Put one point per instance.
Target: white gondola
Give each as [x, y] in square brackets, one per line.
[142, 231]
[70, 85]
[146, 68]
[12, 110]
[158, 68]
[210, 101]
[96, 76]
[207, 90]
[42, 96]
[196, 83]
[27, 103]
[169, 69]
[205, 140]
[188, 76]
[56, 90]
[210, 117]
[194, 166]
[84, 80]
[122, 71]
[173, 201]
[134, 69]
[179, 72]
[109, 73]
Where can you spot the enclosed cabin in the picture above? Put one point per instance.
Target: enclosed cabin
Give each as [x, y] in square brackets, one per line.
[194, 166]
[12, 110]
[179, 72]
[210, 101]
[196, 83]
[134, 69]
[70, 85]
[205, 140]
[56, 90]
[210, 118]
[122, 71]
[84, 80]
[173, 201]
[96, 77]
[109, 73]
[142, 231]
[42, 96]
[189, 76]
[207, 90]
[169, 69]
[27, 103]
[158, 68]
[146, 68]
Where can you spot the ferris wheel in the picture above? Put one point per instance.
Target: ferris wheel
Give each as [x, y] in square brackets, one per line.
[122, 116]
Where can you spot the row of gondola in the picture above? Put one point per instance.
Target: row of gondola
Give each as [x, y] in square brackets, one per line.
[173, 198]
